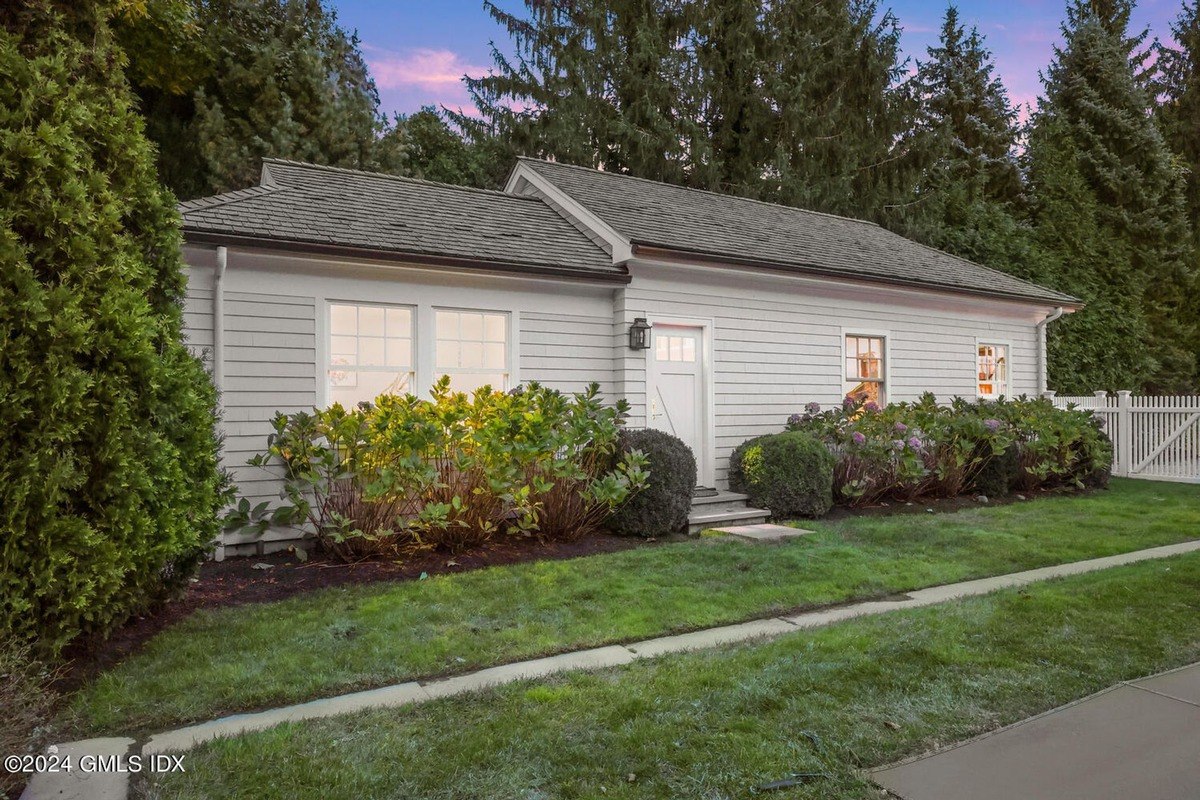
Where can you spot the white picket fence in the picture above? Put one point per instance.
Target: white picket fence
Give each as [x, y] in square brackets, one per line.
[1156, 438]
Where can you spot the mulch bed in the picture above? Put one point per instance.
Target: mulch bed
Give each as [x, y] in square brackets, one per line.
[235, 581]
[944, 505]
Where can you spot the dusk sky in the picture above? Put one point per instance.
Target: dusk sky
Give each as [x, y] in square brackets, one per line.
[418, 51]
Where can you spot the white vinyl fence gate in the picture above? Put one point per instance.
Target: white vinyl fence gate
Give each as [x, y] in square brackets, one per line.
[1157, 438]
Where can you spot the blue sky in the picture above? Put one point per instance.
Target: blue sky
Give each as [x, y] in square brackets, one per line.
[419, 50]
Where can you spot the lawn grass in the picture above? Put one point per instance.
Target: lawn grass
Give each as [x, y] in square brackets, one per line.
[339, 640]
[713, 724]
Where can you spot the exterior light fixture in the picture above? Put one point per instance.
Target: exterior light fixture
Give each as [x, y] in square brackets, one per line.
[639, 334]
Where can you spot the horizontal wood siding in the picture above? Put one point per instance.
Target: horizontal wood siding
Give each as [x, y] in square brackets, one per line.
[776, 348]
[567, 352]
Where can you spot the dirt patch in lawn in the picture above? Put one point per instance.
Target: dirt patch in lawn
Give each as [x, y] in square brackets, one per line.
[236, 581]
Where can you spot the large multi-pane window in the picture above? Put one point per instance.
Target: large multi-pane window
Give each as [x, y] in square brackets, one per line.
[370, 352]
[472, 348]
[992, 363]
[866, 371]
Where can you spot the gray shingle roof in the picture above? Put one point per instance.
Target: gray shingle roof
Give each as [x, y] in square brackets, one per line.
[306, 203]
[661, 215]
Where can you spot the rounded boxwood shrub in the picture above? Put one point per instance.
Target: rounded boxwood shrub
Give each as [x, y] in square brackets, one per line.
[662, 507]
[789, 473]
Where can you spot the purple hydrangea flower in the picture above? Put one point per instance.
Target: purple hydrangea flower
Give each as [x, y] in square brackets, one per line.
[897, 444]
[848, 403]
[813, 408]
[871, 406]
[900, 427]
[914, 443]
[794, 419]
[992, 425]
[859, 438]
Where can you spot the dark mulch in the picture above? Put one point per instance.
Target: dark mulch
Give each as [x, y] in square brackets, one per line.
[943, 505]
[235, 581]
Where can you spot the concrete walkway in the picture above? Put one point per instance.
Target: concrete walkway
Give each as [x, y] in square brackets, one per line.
[182, 739]
[1138, 739]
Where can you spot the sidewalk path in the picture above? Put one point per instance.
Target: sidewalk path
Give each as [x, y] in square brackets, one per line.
[182, 739]
[1137, 740]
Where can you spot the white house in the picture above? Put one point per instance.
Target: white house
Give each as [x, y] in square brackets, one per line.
[324, 284]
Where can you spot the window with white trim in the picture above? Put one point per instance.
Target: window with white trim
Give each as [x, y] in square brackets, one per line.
[866, 370]
[992, 366]
[472, 348]
[370, 352]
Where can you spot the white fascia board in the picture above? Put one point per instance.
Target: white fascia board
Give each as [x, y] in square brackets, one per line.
[522, 175]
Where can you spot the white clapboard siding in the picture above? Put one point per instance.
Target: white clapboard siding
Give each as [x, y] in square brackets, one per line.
[1156, 438]
[777, 347]
[566, 352]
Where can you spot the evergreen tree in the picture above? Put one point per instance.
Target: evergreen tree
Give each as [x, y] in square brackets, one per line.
[594, 83]
[243, 79]
[969, 197]
[108, 457]
[1179, 117]
[841, 140]
[423, 145]
[1094, 127]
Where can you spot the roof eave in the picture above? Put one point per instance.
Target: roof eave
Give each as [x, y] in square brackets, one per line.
[194, 235]
[716, 259]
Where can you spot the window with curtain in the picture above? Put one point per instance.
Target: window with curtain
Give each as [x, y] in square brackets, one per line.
[370, 352]
[992, 362]
[866, 372]
[472, 348]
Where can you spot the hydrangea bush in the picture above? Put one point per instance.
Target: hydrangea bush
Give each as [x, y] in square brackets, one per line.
[923, 449]
[450, 472]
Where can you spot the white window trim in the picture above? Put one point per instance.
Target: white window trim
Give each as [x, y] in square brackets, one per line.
[424, 320]
[875, 333]
[510, 346]
[1008, 350]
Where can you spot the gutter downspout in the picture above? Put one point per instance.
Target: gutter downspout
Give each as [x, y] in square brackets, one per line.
[1041, 335]
[218, 351]
[218, 321]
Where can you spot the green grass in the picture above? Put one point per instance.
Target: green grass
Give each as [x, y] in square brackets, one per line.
[334, 641]
[713, 724]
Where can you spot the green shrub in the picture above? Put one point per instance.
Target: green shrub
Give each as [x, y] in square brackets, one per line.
[109, 485]
[791, 474]
[449, 472]
[27, 702]
[998, 475]
[662, 507]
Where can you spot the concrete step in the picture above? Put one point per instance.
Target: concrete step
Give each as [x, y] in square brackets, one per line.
[720, 498]
[712, 518]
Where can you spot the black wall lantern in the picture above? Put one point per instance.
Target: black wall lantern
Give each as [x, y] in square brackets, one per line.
[639, 334]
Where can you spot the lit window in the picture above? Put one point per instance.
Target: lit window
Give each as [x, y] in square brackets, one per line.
[992, 360]
[675, 348]
[865, 368]
[370, 352]
[472, 348]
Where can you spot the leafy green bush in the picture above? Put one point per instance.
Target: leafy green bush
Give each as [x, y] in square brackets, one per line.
[662, 507]
[27, 702]
[926, 449]
[449, 472]
[109, 486]
[789, 473]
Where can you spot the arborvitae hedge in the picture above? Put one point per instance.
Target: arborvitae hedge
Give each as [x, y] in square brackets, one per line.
[109, 485]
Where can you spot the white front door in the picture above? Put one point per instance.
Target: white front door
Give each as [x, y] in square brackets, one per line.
[677, 392]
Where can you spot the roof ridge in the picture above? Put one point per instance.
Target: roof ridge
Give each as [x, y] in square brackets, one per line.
[722, 195]
[398, 178]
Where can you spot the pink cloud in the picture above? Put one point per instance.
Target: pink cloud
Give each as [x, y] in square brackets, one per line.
[420, 76]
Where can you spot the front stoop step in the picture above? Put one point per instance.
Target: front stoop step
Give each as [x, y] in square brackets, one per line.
[723, 509]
